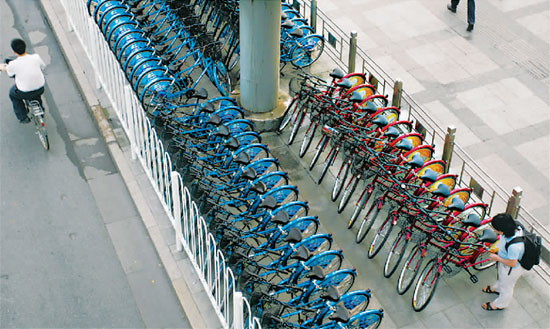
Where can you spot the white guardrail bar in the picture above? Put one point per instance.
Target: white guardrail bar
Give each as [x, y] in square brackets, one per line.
[191, 233]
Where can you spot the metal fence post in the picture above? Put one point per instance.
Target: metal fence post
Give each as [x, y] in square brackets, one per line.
[313, 14]
[448, 147]
[176, 208]
[352, 51]
[397, 93]
[512, 208]
[238, 318]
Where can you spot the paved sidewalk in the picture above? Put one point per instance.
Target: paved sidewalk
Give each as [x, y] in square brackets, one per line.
[492, 84]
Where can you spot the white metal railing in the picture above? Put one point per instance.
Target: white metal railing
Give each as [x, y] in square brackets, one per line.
[191, 233]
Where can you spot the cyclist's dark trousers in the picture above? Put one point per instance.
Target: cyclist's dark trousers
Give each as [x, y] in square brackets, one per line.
[17, 96]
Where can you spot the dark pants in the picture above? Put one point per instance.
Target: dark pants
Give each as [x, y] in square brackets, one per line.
[17, 96]
[471, 10]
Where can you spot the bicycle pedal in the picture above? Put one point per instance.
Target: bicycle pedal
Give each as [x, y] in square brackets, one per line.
[474, 279]
[447, 268]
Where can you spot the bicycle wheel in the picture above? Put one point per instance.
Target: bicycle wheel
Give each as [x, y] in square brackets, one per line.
[368, 221]
[327, 164]
[410, 269]
[369, 319]
[380, 237]
[307, 50]
[319, 149]
[359, 205]
[289, 114]
[308, 137]
[42, 132]
[425, 287]
[396, 254]
[483, 261]
[340, 180]
[297, 123]
[222, 79]
[350, 188]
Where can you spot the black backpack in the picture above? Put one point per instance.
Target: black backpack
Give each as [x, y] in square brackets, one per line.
[533, 246]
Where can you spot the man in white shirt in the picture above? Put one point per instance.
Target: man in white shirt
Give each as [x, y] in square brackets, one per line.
[29, 79]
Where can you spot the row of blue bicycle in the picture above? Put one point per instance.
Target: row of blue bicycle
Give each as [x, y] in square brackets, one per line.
[287, 269]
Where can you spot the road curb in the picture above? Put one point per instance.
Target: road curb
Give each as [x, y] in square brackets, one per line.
[192, 309]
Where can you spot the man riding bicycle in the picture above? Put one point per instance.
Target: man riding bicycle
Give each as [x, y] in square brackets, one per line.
[29, 79]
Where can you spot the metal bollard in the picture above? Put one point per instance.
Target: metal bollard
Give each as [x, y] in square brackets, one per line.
[512, 208]
[352, 51]
[448, 147]
[397, 93]
[313, 14]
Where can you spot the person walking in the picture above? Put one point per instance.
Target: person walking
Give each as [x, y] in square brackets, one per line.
[29, 79]
[509, 268]
[471, 12]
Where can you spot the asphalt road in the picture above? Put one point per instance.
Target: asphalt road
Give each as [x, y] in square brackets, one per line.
[69, 256]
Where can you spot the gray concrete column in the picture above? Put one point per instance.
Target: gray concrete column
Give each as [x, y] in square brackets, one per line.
[260, 24]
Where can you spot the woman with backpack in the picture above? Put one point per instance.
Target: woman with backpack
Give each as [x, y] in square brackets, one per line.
[510, 250]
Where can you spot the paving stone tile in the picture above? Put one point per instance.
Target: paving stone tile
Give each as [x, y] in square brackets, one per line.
[448, 71]
[510, 5]
[396, 70]
[460, 316]
[536, 152]
[444, 117]
[437, 320]
[537, 24]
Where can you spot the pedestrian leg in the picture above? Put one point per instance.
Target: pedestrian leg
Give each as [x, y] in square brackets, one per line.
[19, 108]
[507, 282]
[471, 12]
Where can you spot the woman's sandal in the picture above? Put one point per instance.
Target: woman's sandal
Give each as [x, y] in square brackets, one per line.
[487, 307]
[489, 290]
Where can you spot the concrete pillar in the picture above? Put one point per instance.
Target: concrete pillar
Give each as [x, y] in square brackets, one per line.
[260, 25]
[352, 51]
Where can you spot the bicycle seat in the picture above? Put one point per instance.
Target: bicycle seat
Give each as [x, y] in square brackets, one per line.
[355, 97]
[380, 121]
[297, 33]
[442, 190]
[214, 120]
[337, 74]
[287, 24]
[222, 131]
[160, 48]
[404, 145]
[331, 294]
[268, 203]
[242, 159]
[317, 273]
[281, 218]
[249, 174]
[456, 204]
[472, 220]
[258, 188]
[148, 29]
[341, 315]
[370, 107]
[392, 132]
[136, 11]
[294, 235]
[167, 58]
[201, 93]
[344, 83]
[157, 38]
[428, 175]
[301, 253]
[232, 143]
[488, 236]
[207, 107]
[416, 161]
